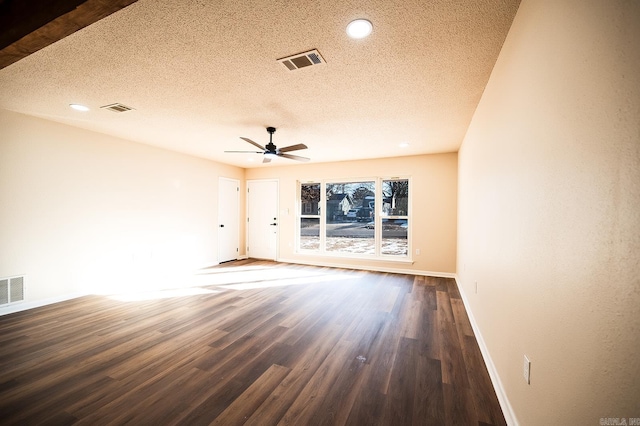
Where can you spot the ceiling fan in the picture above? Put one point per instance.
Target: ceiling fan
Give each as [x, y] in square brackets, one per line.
[271, 150]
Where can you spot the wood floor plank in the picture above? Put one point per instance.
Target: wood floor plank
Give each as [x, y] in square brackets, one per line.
[445, 312]
[233, 374]
[460, 316]
[458, 406]
[399, 407]
[388, 302]
[330, 313]
[370, 402]
[454, 293]
[431, 299]
[244, 406]
[428, 405]
[429, 335]
[302, 368]
[268, 343]
[351, 375]
[451, 354]
[480, 384]
[307, 403]
[411, 324]
[150, 399]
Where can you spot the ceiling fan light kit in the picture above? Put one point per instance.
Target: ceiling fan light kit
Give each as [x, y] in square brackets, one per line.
[270, 150]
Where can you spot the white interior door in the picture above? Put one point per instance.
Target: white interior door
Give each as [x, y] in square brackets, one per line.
[262, 230]
[228, 214]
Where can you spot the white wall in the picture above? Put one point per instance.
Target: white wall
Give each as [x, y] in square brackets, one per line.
[549, 212]
[434, 182]
[85, 212]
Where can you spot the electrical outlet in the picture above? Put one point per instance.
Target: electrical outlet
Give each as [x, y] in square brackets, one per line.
[476, 287]
[527, 370]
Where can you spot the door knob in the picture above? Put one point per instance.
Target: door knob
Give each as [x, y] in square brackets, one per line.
[274, 224]
[221, 226]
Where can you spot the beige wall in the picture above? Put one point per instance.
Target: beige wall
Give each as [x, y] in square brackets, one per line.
[433, 222]
[87, 212]
[549, 212]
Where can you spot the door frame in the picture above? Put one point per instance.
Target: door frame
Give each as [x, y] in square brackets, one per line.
[248, 204]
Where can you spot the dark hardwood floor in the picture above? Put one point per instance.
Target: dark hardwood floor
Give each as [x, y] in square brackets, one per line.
[262, 344]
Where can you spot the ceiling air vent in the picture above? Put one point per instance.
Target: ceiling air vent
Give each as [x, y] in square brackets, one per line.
[302, 60]
[117, 108]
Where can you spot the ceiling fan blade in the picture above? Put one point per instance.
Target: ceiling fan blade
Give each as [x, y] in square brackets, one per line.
[294, 157]
[246, 152]
[252, 143]
[266, 159]
[293, 147]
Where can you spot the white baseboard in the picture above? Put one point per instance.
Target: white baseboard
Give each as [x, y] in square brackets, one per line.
[370, 268]
[19, 307]
[507, 410]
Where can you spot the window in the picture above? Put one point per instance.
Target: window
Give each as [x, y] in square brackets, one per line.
[310, 216]
[364, 218]
[350, 233]
[395, 220]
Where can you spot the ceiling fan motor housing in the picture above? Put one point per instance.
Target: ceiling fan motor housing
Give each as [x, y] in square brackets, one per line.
[270, 148]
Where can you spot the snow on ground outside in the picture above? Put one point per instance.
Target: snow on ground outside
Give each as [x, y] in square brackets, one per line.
[390, 246]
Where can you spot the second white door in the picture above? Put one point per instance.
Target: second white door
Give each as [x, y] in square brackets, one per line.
[262, 229]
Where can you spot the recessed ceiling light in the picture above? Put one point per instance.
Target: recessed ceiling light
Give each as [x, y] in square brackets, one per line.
[360, 28]
[79, 107]
[403, 144]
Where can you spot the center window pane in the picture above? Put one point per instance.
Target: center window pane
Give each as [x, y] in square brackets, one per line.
[350, 217]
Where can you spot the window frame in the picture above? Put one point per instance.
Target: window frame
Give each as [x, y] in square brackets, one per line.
[378, 217]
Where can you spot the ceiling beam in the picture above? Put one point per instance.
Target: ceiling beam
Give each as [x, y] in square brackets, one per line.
[30, 25]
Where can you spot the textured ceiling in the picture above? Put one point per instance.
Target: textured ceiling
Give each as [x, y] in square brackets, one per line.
[201, 74]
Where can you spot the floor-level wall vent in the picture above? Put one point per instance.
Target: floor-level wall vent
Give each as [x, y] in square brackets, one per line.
[11, 290]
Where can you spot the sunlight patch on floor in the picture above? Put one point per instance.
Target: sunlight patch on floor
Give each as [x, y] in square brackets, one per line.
[161, 294]
[219, 279]
[244, 277]
[250, 285]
